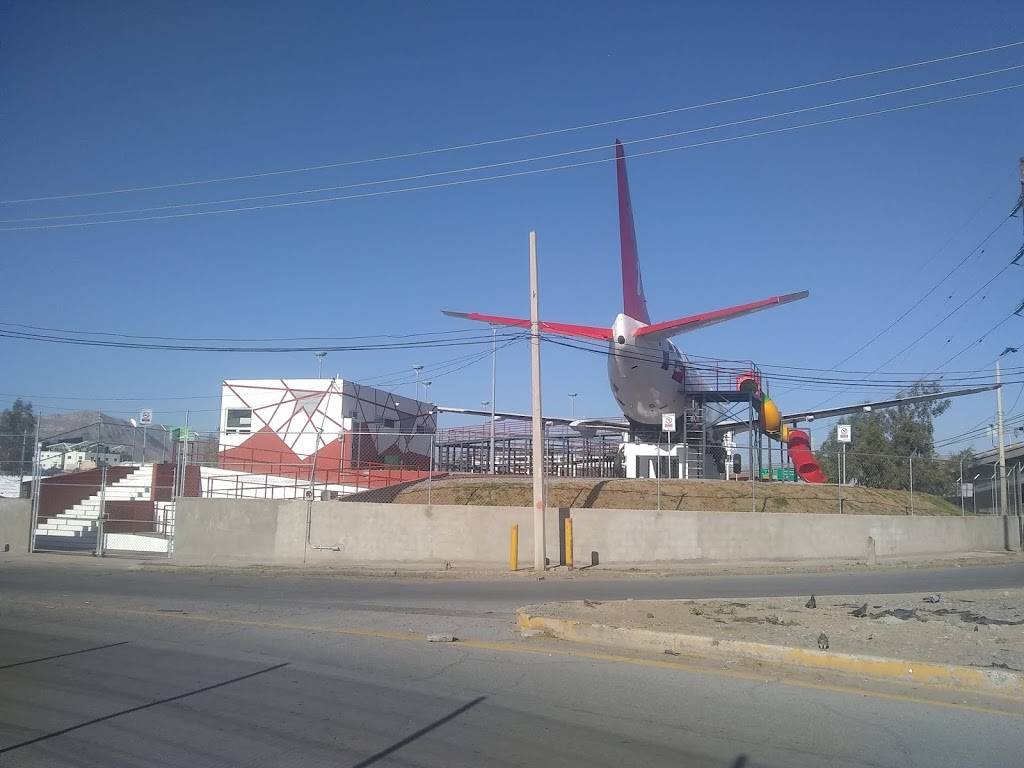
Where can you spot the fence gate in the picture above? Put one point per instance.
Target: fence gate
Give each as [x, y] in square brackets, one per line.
[110, 510]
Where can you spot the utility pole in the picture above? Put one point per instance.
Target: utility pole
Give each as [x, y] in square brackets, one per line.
[494, 369]
[999, 436]
[538, 423]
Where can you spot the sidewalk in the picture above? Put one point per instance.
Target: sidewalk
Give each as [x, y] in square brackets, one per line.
[972, 640]
[496, 571]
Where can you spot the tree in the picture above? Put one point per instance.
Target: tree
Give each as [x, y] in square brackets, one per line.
[884, 442]
[17, 438]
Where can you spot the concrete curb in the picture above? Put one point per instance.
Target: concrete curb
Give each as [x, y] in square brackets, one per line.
[1000, 681]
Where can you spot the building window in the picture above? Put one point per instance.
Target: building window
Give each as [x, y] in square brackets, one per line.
[239, 421]
[389, 423]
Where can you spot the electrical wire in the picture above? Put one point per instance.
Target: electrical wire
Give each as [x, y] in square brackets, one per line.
[522, 137]
[507, 163]
[517, 174]
[430, 343]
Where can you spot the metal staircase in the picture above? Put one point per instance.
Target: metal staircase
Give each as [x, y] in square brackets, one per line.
[694, 434]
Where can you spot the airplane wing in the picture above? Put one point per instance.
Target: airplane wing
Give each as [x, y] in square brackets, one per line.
[566, 329]
[669, 328]
[580, 425]
[799, 416]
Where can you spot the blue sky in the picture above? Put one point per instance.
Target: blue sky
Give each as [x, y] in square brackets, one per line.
[866, 214]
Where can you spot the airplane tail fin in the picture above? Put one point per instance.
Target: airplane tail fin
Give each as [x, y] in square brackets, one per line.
[564, 329]
[634, 303]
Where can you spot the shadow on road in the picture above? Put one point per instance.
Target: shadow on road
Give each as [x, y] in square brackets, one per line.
[421, 732]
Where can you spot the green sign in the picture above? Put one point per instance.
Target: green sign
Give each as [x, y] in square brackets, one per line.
[782, 474]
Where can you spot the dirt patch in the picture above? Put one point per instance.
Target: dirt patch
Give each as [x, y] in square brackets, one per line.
[972, 628]
[691, 495]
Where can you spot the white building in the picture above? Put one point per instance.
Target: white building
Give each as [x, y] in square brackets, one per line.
[74, 457]
[328, 429]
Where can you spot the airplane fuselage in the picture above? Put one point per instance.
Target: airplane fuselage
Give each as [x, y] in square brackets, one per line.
[649, 378]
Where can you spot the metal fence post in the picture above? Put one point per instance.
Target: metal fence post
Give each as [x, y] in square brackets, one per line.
[37, 487]
[103, 512]
[911, 483]
[430, 468]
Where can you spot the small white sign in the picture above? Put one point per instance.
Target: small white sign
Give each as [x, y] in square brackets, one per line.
[668, 422]
[966, 490]
[146, 417]
[844, 433]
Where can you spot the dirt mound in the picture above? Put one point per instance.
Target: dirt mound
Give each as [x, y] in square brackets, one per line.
[691, 495]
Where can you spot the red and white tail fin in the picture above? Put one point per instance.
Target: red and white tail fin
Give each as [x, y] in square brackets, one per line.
[634, 303]
[565, 329]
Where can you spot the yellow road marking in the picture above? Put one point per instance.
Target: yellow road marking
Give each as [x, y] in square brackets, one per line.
[503, 647]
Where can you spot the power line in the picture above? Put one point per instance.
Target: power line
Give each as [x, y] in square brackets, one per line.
[122, 335]
[522, 137]
[527, 172]
[507, 163]
[474, 339]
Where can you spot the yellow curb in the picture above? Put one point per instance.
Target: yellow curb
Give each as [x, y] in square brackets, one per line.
[1001, 681]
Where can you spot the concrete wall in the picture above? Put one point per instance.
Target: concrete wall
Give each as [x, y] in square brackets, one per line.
[219, 531]
[15, 526]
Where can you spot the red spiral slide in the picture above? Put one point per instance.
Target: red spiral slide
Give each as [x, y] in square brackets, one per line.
[800, 451]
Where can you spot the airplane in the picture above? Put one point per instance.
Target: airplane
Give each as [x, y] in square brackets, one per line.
[649, 376]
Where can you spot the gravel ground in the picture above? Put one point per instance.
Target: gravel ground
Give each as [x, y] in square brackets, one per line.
[983, 628]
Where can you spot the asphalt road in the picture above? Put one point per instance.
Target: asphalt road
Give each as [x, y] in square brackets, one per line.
[107, 667]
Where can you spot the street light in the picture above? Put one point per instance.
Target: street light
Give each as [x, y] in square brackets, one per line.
[426, 390]
[572, 404]
[974, 493]
[417, 368]
[320, 363]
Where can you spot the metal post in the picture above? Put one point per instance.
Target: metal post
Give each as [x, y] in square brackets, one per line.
[657, 469]
[184, 458]
[1002, 448]
[538, 423]
[572, 404]
[37, 485]
[911, 483]
[750, 451]
[960, 488]
[1018, 485]
[21, 464]
[494, 368]
[143, 444]
[103, 512]
[568, 543]
[430, 472]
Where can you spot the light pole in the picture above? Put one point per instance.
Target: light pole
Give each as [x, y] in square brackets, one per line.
[320, 363]
[572, 404]
[426, 390]
[417, 368]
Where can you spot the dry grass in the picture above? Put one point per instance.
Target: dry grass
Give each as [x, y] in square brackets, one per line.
[692, 495]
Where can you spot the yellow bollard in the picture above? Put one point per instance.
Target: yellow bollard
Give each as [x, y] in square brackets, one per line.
[513, 549]
[568, 543]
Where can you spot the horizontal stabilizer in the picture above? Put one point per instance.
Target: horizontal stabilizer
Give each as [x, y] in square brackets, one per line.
[566, 329]
[671, 328]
